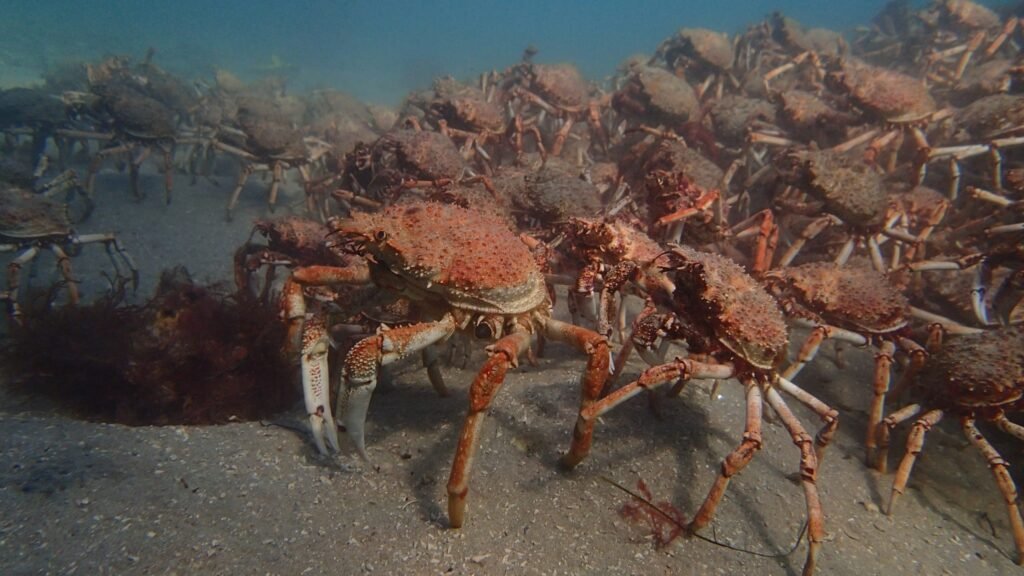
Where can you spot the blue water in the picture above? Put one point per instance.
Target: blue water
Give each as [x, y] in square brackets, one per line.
[378, 50]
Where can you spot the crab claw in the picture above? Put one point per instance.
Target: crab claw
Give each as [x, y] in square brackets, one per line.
[316, 391]
[357, 403]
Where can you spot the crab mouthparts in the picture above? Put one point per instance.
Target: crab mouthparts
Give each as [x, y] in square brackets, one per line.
[348, 242]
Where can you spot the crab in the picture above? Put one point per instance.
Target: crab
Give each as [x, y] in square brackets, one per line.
[553, 193]
[735, 115]
[656, 96]
[737, 330]
[811, 118]
[989, 125]
[897, 103]
[986, 288]
[781, 44]
[463, 112]
[558, 91]
[34, 112]
[603, 246]
[704, 56]
[851, 194]
[968, 27]
[402, 157]
[269, 143]
[290, 241]
[31, 222]
[136, 125]
[972, 377]
[467, 273]
[686, 195]
[853, 304]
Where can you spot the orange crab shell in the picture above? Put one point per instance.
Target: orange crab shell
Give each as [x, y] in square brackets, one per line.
[619, 239]
[857, 295]
[742, 315]
[562, 84]
[982, 372]
[893, 96]
[469, 258]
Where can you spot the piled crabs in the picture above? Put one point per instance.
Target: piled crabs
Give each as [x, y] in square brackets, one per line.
[745, 191]
[723, 208]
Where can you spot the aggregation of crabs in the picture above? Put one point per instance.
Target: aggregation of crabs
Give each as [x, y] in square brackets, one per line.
[867, 189]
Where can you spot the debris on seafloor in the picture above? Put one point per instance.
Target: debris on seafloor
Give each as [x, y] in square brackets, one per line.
[191, 355]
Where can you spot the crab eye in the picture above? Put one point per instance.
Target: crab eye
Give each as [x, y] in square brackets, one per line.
[380, 236]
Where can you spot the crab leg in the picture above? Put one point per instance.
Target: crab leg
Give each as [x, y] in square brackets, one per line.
[1001, 472]
[680, 368]
[809, 233]
[114, 248]
[363, 363]
[504, 354]
[915, 441]
[819, 333]
[133, 170]
[808, 475]
[277, 172]
[737, 460]
[316, 385]
[97, 161]
[949, 325]
[501, 355]
[64, 267]
[827, 414]
[14, 279]
[293, 301]
[560, 136]
[243, 175]
[883, 432]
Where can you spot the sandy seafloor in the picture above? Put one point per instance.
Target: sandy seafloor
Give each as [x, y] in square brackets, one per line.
[254, 498]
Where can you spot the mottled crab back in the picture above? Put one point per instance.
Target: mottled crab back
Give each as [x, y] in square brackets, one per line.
[855, 297]
[469, 258]
[728, 302]
[978, 372]
[25, 215]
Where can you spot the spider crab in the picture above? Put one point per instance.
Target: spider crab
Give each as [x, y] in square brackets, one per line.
[464, 112]
[854, 304]
[703, 55]
[558, 91]
[466, 272]
[734, 329]
[31, 222]
[974, 376]
[270, 144]
[852, 195]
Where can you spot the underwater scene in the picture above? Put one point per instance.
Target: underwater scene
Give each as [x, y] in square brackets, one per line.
[511, 287]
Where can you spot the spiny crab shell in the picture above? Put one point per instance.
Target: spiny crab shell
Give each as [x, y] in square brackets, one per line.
[979, 371]
[850, 189]
[617, 239]
[709, 48]
[891, 96]
[730, 305]
[465, 107]
[966, 14]
[25, 215]
[560, 84]
[846, 295]
[468, 258]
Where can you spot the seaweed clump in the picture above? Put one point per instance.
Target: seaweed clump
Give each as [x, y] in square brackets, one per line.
[191, 355]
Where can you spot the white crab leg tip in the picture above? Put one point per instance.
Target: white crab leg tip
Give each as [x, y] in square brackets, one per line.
[316, 426]
[356, 407]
